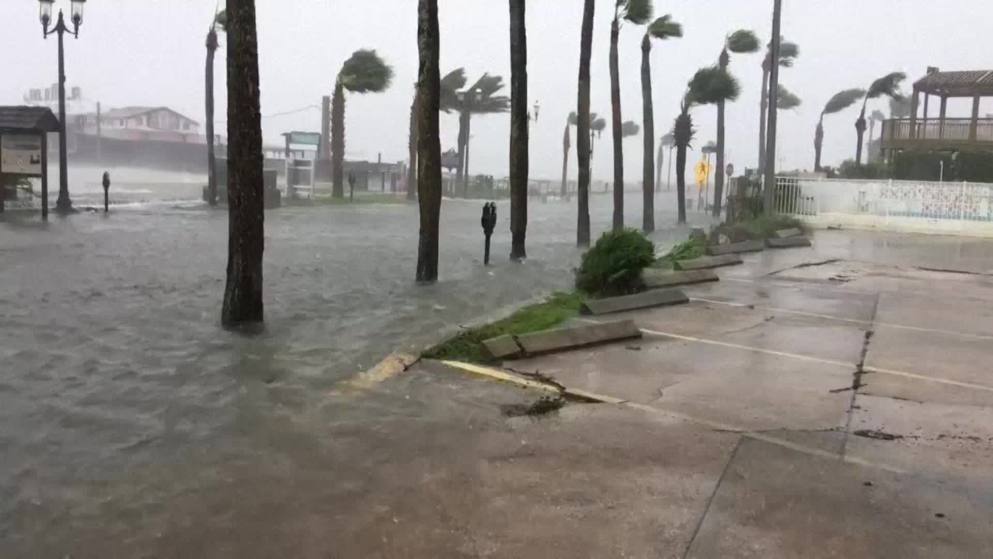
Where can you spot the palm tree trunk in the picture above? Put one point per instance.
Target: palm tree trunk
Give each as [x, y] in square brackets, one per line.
[860, 130]
[338, 141]
[681, 182]
[412, 152]
[428, 140]
[648, 163]
[659, 159]
[583, 142]
[872, 133]
[465, 170]
[721, 138]
[818, 144]
[211, 157]
[770, 150]
[246, 215]
[763, 109]
[518, 130]
[615, 107]
[461, 141]
[565, 162]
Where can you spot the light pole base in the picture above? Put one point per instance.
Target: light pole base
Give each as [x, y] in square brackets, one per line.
[64, 206]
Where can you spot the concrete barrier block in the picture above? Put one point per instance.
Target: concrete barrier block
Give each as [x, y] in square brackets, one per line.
[787, 233]
[736, 248]
[644, 300]
[789, 242]
[707, 262]
[655, 279]
[578, 336]
[503, 347]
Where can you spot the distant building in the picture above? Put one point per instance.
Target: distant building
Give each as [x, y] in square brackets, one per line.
[140, 124]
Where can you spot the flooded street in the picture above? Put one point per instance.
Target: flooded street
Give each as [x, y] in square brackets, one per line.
[120, 392]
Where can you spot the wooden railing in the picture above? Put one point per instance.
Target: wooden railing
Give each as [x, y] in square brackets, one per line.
[950, 130]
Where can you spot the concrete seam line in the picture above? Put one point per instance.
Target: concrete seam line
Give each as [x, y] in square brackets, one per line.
[710, 500]
[843, 319]
[748, 348]
[938, 380]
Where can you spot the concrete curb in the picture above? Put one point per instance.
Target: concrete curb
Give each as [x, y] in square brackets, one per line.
[644, 300]
[706, 262]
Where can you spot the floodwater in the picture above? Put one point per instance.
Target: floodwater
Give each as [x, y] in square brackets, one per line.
[120, 393]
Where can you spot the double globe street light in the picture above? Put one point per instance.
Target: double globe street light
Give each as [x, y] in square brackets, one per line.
[63, 205]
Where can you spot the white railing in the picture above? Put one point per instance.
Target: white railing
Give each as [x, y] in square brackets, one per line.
[919, 206]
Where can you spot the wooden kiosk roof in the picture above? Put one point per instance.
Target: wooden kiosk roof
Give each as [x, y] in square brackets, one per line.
[970, 83]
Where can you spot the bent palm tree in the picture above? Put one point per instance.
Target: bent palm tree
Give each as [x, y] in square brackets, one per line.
[519, 123]
[364, 72]
[638, 12]
[787, 56]
[839, 102]
[428, 140]
[715, 86]
[682, 136]
[566, 146]
[741, 42]
[481, 98]
[669, 142]
[889, 86]
[220, 21]
[246, 212]
[662, 28]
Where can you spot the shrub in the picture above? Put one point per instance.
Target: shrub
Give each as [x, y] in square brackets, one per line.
[687, 250]
[614, 264]
[757, 229]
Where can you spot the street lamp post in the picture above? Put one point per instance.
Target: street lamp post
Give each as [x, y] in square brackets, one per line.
[64, 204]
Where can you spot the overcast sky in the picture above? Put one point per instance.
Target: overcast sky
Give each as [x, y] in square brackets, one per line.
[151, 52]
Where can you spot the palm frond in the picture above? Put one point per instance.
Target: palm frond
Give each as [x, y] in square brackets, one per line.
[365, 72]
[711, 147]
[629, 128]
[711, 85]
[490, 105]
[573, 119]
[842, 100]
[664, 28]
[598, 125]
[888, 85]
[487, 85]
[743, 41]
[682, 128]
[877, 115]
[668, 140]
[454, 80]
[221, 20]
[788, 53]
[787, 100]
[638, 12]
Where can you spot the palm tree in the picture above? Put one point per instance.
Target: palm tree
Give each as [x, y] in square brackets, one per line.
[220, 20]
[838, 102]
[450, 84]
[481, 98]
[787, 56]
[715, 86]
[583, 132]
[518, 130]
[246, 213]
[682, 136]
[662, 28]
[769, 165]
[566, 146]
[428, 139]
[638, 12]
[888, 85]
[741, 41]
[364, 72]
[876, 116]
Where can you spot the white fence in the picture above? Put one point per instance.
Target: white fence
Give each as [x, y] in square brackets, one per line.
[962, 208]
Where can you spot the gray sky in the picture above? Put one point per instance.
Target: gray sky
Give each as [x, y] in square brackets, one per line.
[151, 52]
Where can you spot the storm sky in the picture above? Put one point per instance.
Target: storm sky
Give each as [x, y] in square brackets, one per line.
[151, 52]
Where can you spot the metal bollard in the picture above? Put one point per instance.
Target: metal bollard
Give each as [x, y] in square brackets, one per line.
[106, 191]
[488, 221]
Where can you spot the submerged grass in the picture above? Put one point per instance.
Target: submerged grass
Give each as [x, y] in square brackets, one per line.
[468, 345]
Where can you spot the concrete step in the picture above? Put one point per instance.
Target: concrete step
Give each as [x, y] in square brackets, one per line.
[789, 242]
[736, 248]
[656, 279]
[707, 262]
[644, 300]
[560, 339]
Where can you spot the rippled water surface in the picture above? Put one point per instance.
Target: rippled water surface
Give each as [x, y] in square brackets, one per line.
[117, 382]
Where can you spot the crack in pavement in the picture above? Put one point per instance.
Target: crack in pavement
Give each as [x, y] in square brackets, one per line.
[805, 265]
[857, 376]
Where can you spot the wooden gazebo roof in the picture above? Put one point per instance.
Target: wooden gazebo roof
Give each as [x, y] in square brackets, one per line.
[28, 119]
[969, 83]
